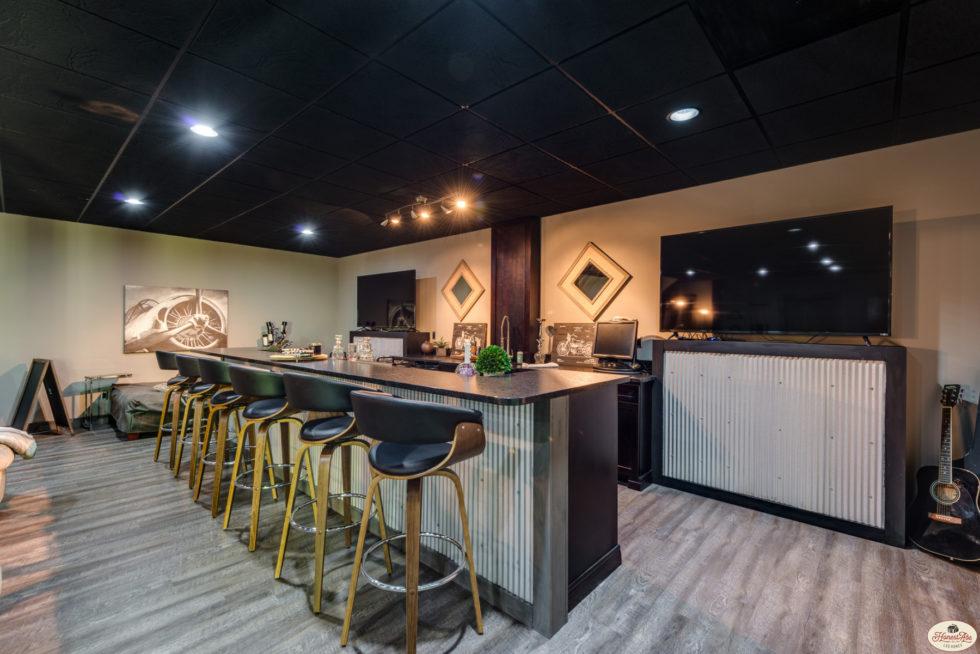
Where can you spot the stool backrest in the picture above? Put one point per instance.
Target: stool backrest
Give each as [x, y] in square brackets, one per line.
[255, 382]
[214, 371]
[395, 420]
[187, 365]
[166, 360]
[317, 393]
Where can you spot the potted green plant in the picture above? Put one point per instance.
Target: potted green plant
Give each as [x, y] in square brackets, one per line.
[492, 361]
[442, 347]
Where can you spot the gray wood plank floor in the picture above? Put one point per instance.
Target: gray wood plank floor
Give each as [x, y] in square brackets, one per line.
[103, 551]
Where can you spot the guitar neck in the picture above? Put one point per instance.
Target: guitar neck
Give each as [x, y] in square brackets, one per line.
[946, 447]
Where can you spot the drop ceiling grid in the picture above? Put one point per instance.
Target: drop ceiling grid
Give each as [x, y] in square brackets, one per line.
[506, 50]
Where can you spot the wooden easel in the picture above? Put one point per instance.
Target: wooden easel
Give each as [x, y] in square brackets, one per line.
[41, 373]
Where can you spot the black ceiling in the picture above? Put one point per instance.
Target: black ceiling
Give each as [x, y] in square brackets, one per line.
[332, 113]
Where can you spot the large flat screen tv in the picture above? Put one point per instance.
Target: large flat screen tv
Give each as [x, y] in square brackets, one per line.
[386, 301]
[820, 275]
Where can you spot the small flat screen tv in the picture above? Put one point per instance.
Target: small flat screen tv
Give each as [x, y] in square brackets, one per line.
[820, 275]
[386, 301]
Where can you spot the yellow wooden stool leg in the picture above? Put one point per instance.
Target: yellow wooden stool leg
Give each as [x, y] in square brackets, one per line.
[205, 447]
[195, 442]
[383, 530]
[180, 438]
[358, 555]
[174, 423]
[221, 443]
[261, 454]
[273, 480]
[413, 528]
[345, 453]
[290, 501]
[163, 419]
[322, 511]
[465, 523]
[310, 483]
[239, 453]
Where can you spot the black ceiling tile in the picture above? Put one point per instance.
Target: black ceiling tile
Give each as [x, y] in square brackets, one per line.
[941, 86]
[837, 113]
[107, 210]
[938, 123]
[294, 158]
[464, 137]
[226, 188]
[296, 213]
[557, 104]
[324, 130]
[519, 164]
[243, 227]
[837, 145]
[663, 55]
[507, 199]
[215, 95]
[563, 184]
[167, 20]
[658, 184]
[464, 54]
[407, 161]
[592, 198]
[540, 209]
[747, 31]
[388, 101]
[253, 174]
[327, 193]
[844, 61]
[41, 197]
[375, 208]
[630, 167]
[720, 143]
[39, 157]
[561, 28]
[941, 30]
[76, 128]
[364, 179]
[47, 85]
[741, 166]
[265, 43]
[599, 139]
[66, 36]
[717, 99]
[369, 26]
[465, 182]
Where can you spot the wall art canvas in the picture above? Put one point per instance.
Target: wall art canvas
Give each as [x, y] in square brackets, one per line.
[572, 343]
[593, 280]
[462, 290]
[475, 331]
[174, 319]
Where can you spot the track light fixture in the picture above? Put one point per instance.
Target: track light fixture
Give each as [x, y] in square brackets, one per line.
[423, 209]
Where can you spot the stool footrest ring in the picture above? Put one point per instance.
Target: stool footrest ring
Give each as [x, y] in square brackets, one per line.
[395, 588]
[247, 485]
[311, 529]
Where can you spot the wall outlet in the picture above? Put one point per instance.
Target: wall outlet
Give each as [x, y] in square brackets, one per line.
[970, 394]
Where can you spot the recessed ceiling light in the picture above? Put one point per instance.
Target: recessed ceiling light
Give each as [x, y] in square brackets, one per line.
[704, 312]
[133, 200]
[679, 302]
[683, 114]
[835, 268]
[307, 231]
[812, 246]
[203, 130]
[690, 272]
[461, 203]
[826, 261]
[795, 229]
[762, 272]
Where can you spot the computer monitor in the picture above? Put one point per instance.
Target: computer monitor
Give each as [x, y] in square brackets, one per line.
[615, 340]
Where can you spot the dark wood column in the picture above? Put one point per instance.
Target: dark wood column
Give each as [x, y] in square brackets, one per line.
[515, 289]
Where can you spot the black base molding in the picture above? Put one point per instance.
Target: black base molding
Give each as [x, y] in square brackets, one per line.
[586, 582]
[783, 511]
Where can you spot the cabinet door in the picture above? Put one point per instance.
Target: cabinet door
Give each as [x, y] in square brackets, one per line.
[628, 418]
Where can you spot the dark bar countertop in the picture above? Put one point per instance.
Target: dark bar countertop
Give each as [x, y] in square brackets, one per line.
[522, 387]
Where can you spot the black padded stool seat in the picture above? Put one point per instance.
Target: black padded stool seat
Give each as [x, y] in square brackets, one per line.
[166, 360]
[402, 459]
[187, 365]
[174, 381]
[224, 397]
[326, 428]
[264, 408]
[202, 388]
[395, 420]
[214, 371]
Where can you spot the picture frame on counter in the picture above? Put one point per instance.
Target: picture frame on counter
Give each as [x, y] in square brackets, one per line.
[475, 331]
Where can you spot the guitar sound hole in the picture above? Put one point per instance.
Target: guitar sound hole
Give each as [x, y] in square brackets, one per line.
[945, 493]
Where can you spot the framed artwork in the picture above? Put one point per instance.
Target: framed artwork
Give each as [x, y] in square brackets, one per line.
[593, 280]
[572, 343]
[462, 290]
[475, 331]
[174, 319]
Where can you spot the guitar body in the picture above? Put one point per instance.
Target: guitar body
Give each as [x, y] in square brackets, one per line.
[950, 529]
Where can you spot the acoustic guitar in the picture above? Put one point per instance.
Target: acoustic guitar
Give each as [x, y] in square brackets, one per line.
[945, 516]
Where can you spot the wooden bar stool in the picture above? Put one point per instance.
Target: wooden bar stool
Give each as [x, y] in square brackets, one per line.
[224, 404]
[415, 440]
[330, 426]
[176, 384]
[267, 407]
[197, 394]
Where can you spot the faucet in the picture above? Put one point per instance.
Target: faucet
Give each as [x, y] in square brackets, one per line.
[505, 342]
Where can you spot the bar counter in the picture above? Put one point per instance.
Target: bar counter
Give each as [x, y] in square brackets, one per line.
[541, 498]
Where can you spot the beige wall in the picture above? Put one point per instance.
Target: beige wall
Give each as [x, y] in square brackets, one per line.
[433, 261]
[935, 190]
[61, 290]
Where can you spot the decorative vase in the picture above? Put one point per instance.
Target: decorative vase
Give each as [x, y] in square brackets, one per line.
[441, 352]
[426, 347]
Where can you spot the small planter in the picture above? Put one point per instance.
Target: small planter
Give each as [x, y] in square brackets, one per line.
[442, 352]
[494, 374]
